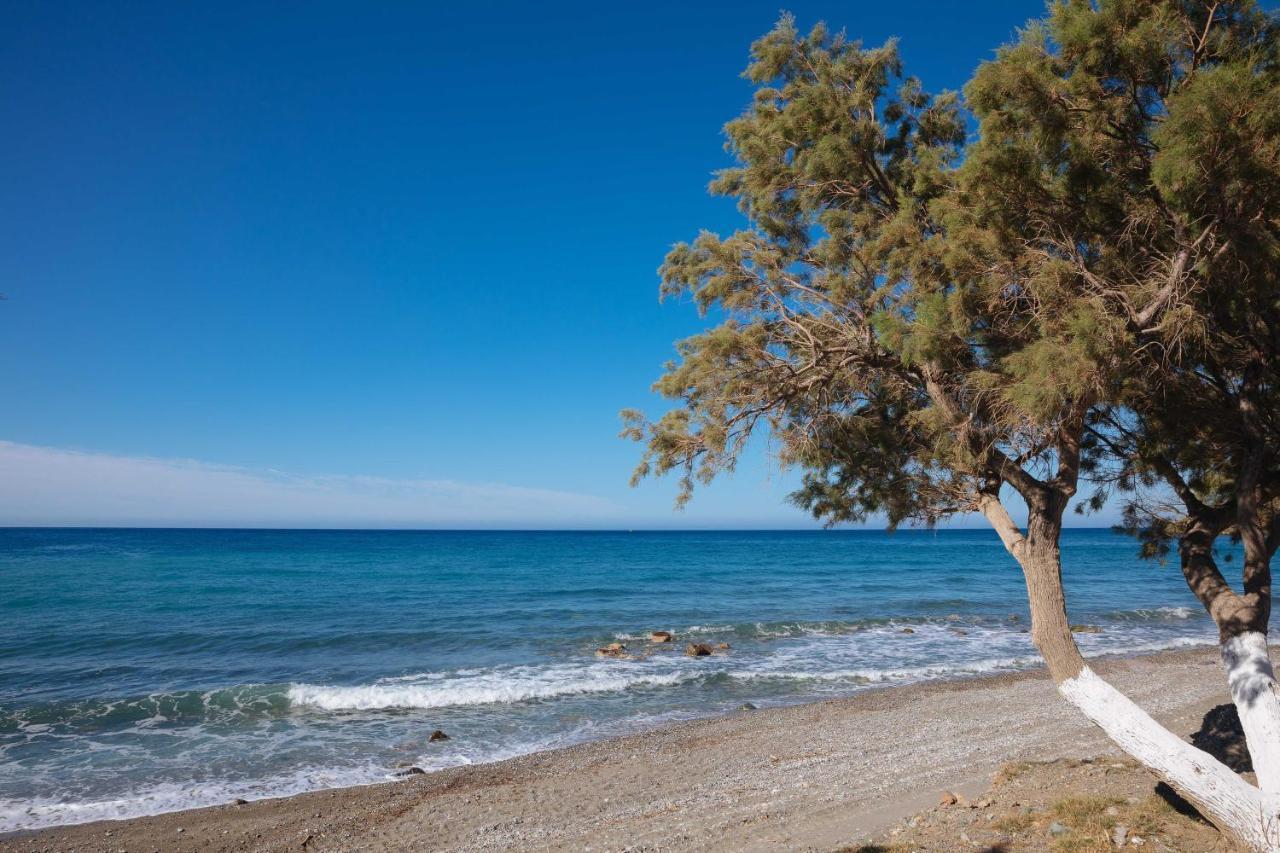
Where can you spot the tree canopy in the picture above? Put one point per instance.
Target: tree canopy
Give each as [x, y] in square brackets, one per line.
[916, 314]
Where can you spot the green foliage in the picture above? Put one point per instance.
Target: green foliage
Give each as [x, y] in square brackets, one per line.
[916, 316]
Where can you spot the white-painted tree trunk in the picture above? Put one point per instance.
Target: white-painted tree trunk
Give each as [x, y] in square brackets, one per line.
[1228, 800]
[1254, 691]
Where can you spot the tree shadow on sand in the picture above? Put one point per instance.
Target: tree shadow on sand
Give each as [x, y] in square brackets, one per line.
[1221, 736]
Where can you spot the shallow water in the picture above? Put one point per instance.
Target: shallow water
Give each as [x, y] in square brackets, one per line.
[150, 670]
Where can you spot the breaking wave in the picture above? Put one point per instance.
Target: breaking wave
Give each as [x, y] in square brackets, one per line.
[505, 686]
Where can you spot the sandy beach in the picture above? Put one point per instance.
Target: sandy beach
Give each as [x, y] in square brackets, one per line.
[811, 777]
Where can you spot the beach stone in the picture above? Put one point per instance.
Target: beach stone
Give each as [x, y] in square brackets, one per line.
[947, 799]
[411, 771]
[1086, 629]
[240, 801]
[437, 735]
[697, 650]
[746, 706]
[1119, 834]
[661, 637]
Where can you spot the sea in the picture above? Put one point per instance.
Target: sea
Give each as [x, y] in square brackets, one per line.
[144, 671]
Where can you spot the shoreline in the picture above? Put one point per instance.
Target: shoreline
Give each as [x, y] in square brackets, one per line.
[813, 775]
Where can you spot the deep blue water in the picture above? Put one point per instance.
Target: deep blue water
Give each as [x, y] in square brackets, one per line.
[147, 670]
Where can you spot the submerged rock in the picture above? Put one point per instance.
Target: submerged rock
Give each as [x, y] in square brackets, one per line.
[724, 646]
[908, 630]
[697, 650]
[613, 650]
[1086, 629]
[661, 637]
[437, 735]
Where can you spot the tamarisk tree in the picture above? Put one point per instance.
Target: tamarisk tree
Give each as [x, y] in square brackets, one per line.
[1192, 445]
[927, 326]
[1135, 149]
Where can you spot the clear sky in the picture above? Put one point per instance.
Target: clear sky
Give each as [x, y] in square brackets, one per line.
[371, 264]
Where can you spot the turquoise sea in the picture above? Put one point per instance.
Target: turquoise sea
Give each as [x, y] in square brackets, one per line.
[149, 670]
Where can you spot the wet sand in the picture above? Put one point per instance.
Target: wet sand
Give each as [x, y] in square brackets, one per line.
[812, 777]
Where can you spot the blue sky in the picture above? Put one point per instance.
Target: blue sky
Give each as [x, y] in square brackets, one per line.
[375, 264]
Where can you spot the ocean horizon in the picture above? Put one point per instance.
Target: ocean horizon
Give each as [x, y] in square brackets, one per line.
[149, 670]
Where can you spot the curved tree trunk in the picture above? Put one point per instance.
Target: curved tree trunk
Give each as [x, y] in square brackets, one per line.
[1242, 621]
[1248, 813]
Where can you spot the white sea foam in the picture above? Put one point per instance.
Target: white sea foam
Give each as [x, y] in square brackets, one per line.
[172, 796]
[505, 685]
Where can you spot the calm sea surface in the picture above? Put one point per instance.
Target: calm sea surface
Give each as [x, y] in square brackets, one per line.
[149, 670]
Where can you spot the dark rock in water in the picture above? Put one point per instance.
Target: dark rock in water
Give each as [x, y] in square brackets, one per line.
[960, 632]
[661, 637]
[411, 771]
[908, 630]
[1222, 736]
[746, 706]
[437, 735]
[697, 650]
[1086, 629]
